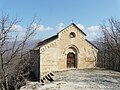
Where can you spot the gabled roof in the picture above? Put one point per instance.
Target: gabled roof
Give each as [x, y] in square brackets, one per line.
[91, 43]
[75, 26]
[56, 36]
[47, 40]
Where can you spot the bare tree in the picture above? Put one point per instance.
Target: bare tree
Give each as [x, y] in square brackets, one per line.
[13, 52]
[109, 53]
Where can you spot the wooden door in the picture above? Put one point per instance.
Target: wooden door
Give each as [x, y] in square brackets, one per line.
[71, 60]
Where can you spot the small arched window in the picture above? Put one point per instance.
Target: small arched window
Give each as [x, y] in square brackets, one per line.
[72, 35]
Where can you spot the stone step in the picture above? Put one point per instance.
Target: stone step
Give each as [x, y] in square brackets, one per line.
[47, 78]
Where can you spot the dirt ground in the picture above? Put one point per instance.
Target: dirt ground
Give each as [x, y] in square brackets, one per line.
[80, 80]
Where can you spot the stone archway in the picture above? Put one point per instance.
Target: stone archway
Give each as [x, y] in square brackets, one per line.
[71, 53]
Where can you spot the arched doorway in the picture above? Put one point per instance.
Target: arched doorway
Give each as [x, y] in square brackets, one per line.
[71, 60]
[71, 53]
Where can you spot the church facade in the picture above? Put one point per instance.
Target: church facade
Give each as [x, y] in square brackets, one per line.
[69, 49]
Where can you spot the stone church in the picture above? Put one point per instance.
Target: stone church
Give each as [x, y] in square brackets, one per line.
[69, 49]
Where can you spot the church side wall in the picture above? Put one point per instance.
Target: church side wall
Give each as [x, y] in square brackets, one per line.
[49, 55]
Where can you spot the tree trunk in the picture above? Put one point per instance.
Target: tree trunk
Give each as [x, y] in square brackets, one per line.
[7, 85]
[3, 87]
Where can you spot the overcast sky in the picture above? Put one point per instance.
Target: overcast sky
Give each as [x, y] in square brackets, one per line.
[57, 14]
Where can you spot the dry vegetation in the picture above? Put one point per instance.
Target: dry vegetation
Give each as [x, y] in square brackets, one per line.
[14, 57]
[109, 45]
